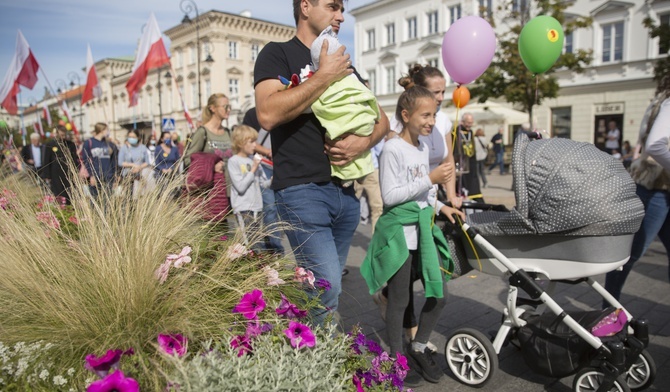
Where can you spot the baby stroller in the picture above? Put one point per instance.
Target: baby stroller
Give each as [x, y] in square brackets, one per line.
[575, 218]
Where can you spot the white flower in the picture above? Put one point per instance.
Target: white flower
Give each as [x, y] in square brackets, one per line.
[59, 380]
[21, 367]
[70, 372]
[44, 374]
[273, 276]
[182, 258]
[236, 251]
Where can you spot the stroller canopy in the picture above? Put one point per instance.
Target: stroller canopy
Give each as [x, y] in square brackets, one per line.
[569, 188]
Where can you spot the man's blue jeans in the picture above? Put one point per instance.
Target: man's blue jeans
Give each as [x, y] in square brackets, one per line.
[323, 218]
[270, 217]
[499, 162]
[656, 222]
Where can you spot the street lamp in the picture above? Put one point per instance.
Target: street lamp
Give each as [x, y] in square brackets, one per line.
[61, 86]
[75, 76]
[188, 6]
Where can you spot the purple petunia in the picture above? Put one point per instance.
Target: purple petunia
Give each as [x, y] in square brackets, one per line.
[289, 310]
[114, 382]
[250, 305]
[374, 347]
[357, 383]
[103, 364]
[323, 284]
[254, 328]
[173, 344]
[242, 344]
[300, 335]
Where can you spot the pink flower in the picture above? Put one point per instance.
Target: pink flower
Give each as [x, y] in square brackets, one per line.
[115, 382]
[180, 259]
[242, 344]
[273, 276]
[49, 219]
[222, 238]
[236, 251]
[173, 344]
[289, 310]
[48, 199]
[357, 384]
[304, 276]
[250, 304]
[74, 220]
[300, 335]
[162, 272]
[103, 364]
[254, 328]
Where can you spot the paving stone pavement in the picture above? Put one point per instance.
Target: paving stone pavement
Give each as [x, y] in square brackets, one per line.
[476, 301]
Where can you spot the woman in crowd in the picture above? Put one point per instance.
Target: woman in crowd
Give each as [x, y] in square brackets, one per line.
[651, 172]
[133, 159]
[100, 156]
[166, 157]
[213, 138]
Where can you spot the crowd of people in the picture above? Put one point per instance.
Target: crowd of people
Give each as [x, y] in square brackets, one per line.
[283, 164]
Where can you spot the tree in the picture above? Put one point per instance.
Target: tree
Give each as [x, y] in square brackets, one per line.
[507, 76]
[662, 31]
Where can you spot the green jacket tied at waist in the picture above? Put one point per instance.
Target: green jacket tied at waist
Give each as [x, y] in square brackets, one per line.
[388, 249]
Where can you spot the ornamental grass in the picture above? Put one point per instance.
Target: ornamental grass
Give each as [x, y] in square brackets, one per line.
[89, 280]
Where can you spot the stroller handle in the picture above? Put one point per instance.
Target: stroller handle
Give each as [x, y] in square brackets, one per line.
[473, 205]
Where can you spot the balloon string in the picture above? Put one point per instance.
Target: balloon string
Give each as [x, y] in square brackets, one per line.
[537, 94]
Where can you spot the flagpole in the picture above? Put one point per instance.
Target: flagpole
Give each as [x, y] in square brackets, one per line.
[23, 127]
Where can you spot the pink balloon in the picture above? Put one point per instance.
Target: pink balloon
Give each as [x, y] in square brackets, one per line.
[468, 48]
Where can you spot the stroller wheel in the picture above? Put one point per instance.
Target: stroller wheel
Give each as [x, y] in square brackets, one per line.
[471, 357]
[642, 373]
[589, 380]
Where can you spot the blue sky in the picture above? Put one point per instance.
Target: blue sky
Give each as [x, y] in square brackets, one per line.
[58, 31]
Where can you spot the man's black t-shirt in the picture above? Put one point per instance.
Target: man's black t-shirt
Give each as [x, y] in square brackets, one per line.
[497, 147]
[297, 146]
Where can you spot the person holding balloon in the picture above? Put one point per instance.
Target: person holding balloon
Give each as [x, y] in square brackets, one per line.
[440, 151]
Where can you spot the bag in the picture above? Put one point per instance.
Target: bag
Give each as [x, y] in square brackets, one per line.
[200, 173]
[553, 349]
[83, 172]
[646, 172]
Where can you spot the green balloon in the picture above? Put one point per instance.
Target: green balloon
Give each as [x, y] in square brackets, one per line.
[3, 124]
[541, 43]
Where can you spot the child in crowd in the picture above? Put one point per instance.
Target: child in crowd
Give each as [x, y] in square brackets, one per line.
[246, 179]
[406, 240]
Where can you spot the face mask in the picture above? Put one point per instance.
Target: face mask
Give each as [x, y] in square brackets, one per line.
[132, 140]
[168, 143]
[153, 142]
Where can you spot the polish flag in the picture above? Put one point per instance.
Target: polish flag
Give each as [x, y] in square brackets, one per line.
[38, 128]
[151, 54]
[188, 117]
[92, 89]
[66, 112]
[46, 115]
[22, 72]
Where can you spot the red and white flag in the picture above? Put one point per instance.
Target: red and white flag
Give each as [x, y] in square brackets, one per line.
[151, 54]
[22, 72]
[66, 112]
[38, 128]
[92, 89]
[46, 115]
[188, 116]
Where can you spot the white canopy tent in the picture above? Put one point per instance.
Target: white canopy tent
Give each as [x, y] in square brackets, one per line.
[490, 116]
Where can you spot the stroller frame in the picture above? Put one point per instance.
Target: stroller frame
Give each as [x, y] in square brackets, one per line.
[473, 358]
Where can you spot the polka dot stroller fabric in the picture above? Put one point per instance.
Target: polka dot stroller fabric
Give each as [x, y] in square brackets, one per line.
[566, 187]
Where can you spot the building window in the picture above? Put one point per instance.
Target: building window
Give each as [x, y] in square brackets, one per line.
[390, 79]
[433, 25]
[208, 88]
[569, 42]
[485, 8]
[519, 6]
[370, 34]
[411, 28]
[192, 54]
[663, 46]
[561, 122]
[372, 79]
[194, 95]
[433, 62]
[232, 49]
[454, 13]
[255, 49]
[390, 34]
[233, 87]
[180, 58]
[612, 42]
